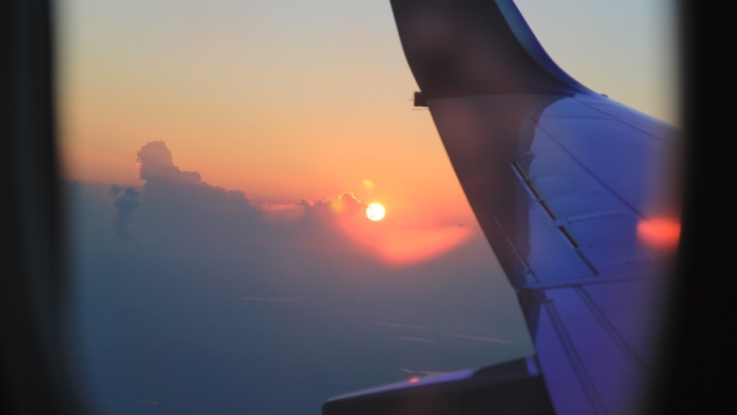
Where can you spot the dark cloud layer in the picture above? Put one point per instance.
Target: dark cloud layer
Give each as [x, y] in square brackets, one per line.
[194, 297]
[125, 203]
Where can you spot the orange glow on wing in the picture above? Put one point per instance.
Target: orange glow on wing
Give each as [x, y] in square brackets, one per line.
[414, 379]
[659, 233]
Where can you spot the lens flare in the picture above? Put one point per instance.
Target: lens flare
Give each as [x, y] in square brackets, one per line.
[375, 212]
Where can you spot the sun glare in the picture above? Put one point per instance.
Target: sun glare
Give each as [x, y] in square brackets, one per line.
[375, 212]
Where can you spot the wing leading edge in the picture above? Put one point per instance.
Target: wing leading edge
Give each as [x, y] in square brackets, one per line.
[573, 191]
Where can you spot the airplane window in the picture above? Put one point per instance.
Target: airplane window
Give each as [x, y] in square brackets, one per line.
[261, 220]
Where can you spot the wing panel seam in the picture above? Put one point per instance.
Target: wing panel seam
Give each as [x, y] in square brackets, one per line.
[561, 228]
[627, 123]
[578, 366]
[581, 282]
[594, 176]
[610, 329]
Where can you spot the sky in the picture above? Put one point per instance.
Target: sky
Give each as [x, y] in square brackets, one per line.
[220, 156]
[291, 100]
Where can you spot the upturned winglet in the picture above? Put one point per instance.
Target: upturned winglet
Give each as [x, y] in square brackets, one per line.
[476, 47]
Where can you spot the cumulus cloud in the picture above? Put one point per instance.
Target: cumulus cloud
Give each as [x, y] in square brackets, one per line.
[156, 162]
[479, 338]
[115, 190]
[274, 300]
[180, 212]
[415, 339]
[177, 210]
[126, 202]
[304, 248]
[206, 283]
[397, 326]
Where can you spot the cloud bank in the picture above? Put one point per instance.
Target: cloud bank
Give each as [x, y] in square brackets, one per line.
[176, 205]
[205, 293]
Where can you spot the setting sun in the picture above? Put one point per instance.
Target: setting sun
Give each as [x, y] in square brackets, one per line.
[375, 212]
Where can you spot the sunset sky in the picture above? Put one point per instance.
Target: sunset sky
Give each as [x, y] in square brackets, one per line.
[220, 156]
[291, 100]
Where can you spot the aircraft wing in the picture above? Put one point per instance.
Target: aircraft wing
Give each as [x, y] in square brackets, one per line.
[577, 197]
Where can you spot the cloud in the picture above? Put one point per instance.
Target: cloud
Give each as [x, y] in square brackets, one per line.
[396, 326]
[126, 204]
[301, 246]
[177, 210]
[480, 338]
[115, 190]
[180, 212]
[156, 162]
[415, 339]
[274, 300]
[203, 280]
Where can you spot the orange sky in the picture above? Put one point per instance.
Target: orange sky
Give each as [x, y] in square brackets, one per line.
[284, 106]
[262, 116]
